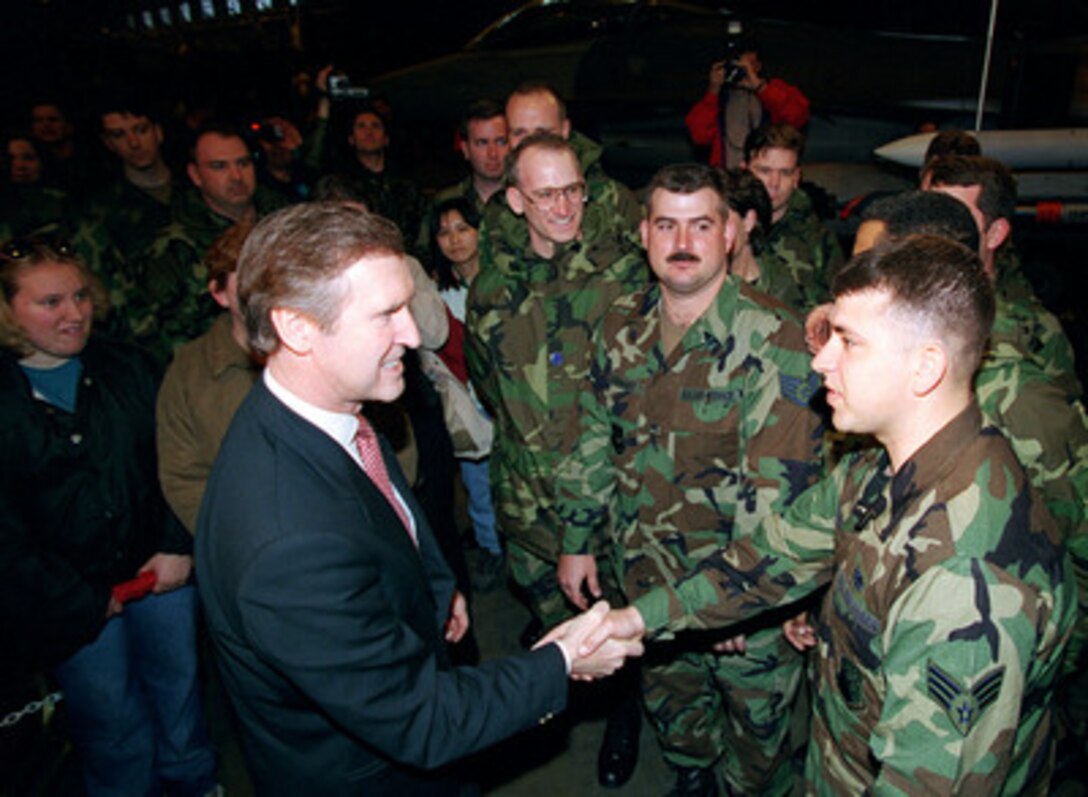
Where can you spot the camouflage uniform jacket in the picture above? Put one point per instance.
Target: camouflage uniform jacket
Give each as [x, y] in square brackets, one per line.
[529, 339]
[688, 451]
[118, 225]
[809, 249]
[1047, 428]
[776, 279]
[114, 231]
[950, 603]
[1010, 280]
[171, 305]
[1025, 325]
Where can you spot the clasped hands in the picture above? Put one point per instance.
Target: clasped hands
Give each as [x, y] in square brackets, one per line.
[597, 642]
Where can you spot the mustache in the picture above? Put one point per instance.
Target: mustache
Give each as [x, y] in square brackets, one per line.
[682, 257]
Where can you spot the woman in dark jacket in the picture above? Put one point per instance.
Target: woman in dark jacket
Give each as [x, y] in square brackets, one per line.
[81, 513]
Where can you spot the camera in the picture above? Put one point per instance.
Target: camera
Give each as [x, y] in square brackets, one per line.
[735, 46]
[340, 88]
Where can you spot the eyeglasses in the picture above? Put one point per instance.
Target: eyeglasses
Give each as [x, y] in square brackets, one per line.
[548, 198]
[21, 248]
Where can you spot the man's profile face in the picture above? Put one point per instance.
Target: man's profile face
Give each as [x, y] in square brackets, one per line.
[780, 173]
[222, 169]
[486, 146]
[865, 364]
[136, 140]
[688, 239]
[368, 136]
[530, 113]
[360, 358]
[551, 197]
[48, 124]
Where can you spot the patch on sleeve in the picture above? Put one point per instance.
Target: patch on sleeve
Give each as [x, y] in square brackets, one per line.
[799, 391]
[962, 705]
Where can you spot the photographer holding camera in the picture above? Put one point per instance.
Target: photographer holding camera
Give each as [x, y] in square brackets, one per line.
[739, 99]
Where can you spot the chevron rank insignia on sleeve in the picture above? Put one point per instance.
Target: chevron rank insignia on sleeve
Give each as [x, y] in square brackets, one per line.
[962, 705]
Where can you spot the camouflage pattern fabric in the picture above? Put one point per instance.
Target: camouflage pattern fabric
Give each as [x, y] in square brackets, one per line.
[1010, 279]
[529, 330]
[113, 234]
[118, 225]
[941, 636]
[166, 303]
[1026, 325]
[1044, 420]
[678, 455]
[535, 578]
[622, 212]
[32, 210]
[775, 279]
[808, 248]
[726, 709]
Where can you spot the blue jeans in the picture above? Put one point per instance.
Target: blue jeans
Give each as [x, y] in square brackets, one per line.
[474, 473]
[133, 702]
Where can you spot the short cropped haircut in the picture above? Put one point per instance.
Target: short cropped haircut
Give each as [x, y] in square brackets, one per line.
[997, 197]
[687, 178]
[295, 257]
[952, 142]
[541, 139]
[530, 87]
[20, 256]
[218, 128]
[935, 283]
[780, 136]
[745, 192]
[925, 213]
[480, 111]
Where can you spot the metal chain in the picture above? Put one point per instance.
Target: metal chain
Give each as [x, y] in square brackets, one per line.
[33, 707]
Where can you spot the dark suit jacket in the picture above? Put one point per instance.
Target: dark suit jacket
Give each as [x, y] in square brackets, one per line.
[328, 622]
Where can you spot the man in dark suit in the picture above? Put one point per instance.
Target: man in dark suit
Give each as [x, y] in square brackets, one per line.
[327, 598]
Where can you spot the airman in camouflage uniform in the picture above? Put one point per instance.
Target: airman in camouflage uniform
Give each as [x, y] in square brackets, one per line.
[171, 304]
[1019, 386]
[529, 329]
[809, 250]
[951, 599]
[535, 107]
[680, 449]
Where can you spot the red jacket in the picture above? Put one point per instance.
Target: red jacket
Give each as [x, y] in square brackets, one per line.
[782, 103]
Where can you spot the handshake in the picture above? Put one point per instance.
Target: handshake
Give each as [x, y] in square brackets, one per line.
[597, 642]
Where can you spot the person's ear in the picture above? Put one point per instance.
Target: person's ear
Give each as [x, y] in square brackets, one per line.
[997, 233]
[515, 200]
[294, 329]
[929, 368]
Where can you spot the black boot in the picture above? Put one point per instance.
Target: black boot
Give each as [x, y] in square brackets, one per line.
[618, 756]
[694, 782]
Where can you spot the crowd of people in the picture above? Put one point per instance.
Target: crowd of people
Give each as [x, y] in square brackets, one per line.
[855, 487]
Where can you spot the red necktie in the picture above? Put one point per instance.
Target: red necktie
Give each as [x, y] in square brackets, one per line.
[370, 452]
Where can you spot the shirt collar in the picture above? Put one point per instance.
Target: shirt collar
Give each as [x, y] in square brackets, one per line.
[340, 426]
[931, 463]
